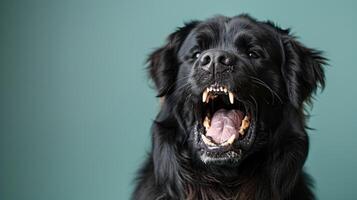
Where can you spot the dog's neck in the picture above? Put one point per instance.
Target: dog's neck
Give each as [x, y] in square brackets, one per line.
[209, 184]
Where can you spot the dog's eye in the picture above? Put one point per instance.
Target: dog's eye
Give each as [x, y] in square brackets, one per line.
[196, 55]
[253, 54]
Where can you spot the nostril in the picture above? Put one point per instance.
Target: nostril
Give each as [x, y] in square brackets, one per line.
[206, 59]
[225, 60]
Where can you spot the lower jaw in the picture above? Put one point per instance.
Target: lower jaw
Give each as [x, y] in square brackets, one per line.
[224, 155]
[231, 157]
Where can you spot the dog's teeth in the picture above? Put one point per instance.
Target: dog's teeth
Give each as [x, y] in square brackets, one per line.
[225, 90]
[245, 124]
[207, 141]
[231, 97]
[229, 141]
[206, 123]
[221, 89]
[204, 96]
[208, 98]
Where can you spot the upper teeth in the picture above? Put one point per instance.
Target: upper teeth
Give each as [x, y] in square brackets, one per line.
[206, 93]
[231, 97]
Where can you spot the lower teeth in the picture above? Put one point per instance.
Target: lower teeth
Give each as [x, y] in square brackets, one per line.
[207, 124]
[245, 124]
[207, 141]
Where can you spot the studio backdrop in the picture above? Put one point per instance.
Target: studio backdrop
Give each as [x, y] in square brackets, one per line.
[76, 105]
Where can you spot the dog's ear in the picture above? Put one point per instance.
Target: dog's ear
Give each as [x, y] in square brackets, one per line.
[163, 62]
[302, 70]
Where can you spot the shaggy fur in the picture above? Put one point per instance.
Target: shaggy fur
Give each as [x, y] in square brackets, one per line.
[273, 73]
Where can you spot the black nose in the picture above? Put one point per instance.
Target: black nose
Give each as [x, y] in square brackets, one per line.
[216, 61]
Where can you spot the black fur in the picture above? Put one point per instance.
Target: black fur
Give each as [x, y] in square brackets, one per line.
[277, 80]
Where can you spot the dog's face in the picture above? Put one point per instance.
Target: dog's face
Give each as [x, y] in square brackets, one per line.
[227, 81]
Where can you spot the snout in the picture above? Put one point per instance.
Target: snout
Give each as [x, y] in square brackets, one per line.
[217, 62]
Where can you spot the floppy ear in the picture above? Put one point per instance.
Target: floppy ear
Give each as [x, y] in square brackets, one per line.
[163, 62]
[302, 70]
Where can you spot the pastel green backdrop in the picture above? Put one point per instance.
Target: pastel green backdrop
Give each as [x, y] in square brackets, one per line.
[76, 105]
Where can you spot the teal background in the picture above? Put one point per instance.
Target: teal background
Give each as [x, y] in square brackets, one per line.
[76, 105]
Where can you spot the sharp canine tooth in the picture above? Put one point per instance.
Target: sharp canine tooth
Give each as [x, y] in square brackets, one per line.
[225, 90]
[208, 97]
[204, 95]
[231, 97]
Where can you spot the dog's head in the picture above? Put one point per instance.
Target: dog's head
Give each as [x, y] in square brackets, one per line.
[229, 83]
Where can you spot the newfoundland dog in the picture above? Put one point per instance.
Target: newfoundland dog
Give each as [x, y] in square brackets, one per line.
[232, 121]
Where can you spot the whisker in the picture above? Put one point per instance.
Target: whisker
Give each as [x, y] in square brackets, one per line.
[183, 86]
[172, 85]
[262, 83]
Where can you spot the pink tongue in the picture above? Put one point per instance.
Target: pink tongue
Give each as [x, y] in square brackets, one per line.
[224, 124]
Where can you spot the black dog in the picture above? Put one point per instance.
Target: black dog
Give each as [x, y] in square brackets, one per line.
[232, 121]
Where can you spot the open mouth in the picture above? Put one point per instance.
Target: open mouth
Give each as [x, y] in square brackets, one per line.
[226, 122]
